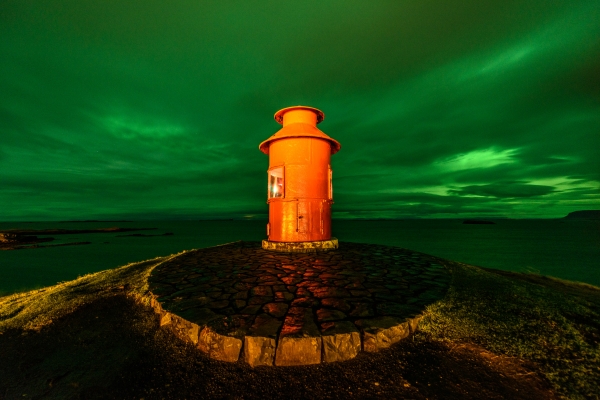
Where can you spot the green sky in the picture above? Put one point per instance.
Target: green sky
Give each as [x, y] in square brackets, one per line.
[155, 109]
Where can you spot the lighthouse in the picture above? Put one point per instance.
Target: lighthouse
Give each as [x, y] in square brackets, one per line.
[299, 183]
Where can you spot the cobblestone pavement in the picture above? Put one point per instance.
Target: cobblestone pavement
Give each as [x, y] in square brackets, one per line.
[295, 308]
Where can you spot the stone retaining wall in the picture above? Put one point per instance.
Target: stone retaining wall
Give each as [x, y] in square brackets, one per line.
[344, 342]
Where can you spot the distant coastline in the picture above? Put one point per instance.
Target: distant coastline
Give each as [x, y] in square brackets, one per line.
[580, 214]
[584, 214]
[478, 222]
[20, 232]
[93, 220]
[16, 239]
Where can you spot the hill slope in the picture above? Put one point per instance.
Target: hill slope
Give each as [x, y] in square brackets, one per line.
[496, 335]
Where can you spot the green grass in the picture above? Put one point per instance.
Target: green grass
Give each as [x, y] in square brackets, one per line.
[35, 309]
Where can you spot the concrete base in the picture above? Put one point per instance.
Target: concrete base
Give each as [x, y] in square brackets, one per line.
[301, 247]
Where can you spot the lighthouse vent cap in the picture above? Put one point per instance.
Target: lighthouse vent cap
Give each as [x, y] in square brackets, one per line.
[279, 114]
[299, 122]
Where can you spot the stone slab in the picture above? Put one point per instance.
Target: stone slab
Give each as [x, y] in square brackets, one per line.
[293, 350]
[259, 351]
[265, 326]
[219, 347]
[381, 332]
[341, 341]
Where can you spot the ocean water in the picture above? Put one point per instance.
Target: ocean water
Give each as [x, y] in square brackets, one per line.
[567, 249]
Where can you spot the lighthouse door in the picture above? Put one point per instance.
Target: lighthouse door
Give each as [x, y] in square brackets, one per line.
[302, 217]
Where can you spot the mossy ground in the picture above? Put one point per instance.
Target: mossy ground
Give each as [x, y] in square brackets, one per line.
[552, 323]
[496, 334]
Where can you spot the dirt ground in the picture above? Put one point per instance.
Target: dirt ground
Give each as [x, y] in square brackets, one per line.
[113, 348]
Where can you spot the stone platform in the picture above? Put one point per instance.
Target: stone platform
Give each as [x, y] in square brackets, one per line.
[268, 308]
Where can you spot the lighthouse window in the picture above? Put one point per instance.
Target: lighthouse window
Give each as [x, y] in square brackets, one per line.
[276, 182]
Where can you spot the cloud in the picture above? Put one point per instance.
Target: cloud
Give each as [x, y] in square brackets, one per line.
[128, 128]
[477, 159]
[504, 190]
[442, 109]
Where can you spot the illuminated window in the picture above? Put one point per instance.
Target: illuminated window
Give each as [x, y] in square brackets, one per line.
[276, 182]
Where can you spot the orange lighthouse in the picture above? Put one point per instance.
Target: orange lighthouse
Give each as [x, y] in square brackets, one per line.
[300, 191]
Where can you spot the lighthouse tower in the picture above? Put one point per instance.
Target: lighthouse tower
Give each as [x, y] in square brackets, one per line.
[300, 191]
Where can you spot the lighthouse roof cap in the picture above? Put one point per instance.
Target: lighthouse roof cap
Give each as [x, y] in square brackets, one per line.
[298, 131]
[279, 114]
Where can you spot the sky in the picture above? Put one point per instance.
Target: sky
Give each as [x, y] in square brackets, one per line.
[155, 109]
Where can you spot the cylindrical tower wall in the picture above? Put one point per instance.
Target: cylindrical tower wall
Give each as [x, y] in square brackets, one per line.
[304, 212]
[306, 162]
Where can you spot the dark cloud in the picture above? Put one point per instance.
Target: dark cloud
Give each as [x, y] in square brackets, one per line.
[504, 190]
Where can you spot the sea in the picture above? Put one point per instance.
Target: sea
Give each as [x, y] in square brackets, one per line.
[563, 248]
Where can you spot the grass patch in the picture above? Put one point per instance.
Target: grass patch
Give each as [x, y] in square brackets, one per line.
[550, 322]
[34, 309]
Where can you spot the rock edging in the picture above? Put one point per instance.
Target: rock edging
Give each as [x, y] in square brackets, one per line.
[345, 344]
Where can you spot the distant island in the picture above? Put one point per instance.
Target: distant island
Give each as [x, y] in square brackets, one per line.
[584, 214]
[20, 232]
[478, 222]
[144, 235]
[94, 220]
